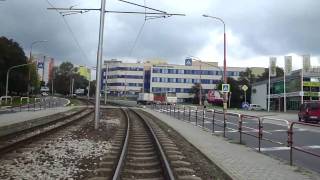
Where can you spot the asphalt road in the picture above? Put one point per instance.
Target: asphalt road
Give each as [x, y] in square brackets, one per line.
[274, 135]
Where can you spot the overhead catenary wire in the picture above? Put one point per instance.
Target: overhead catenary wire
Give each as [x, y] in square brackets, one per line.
[70, 30]
[140, 30]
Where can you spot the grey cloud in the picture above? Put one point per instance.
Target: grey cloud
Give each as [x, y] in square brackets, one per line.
[263, 27]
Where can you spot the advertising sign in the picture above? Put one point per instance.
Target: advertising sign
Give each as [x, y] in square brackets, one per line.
[287, 64]
[306, 62]
[272, 66]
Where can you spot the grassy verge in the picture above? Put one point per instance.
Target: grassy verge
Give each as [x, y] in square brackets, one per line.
[16, 102]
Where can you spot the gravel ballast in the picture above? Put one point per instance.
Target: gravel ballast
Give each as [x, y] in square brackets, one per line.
[72, 153]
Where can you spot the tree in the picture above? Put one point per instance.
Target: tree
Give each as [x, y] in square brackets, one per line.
[11, 54]
[195, 89]
[63, 76]
[265, 74]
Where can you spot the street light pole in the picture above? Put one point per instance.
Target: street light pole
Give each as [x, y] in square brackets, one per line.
[30, 56]
[8, 72]
[224, 63]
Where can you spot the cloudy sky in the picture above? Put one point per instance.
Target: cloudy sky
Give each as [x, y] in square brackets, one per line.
[255, 30]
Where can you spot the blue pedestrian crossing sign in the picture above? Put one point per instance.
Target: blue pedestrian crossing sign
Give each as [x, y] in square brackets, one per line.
[188, 62]
[225, 88]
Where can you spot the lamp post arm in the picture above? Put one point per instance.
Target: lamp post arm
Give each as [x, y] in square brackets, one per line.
[8, 72]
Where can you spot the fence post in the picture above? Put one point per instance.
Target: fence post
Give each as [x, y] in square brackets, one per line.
[213, 114]
[224, 124]
[203, 113]
[290, 142]
[260, 132]
[189, 114]
[197, 117]
[240, 128]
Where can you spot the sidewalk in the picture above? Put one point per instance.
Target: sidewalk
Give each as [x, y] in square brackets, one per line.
[237, 161]
[11, 122]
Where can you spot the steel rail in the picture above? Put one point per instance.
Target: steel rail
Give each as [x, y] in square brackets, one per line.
[11, 146]
[124, 151]
[167, 167]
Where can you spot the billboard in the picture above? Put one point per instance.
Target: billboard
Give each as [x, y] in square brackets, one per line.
[85, 72]
[287, 64]
[272, 66]
[306, 62]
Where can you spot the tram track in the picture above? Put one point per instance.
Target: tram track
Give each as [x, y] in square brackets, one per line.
[15, 140]
[141, 150]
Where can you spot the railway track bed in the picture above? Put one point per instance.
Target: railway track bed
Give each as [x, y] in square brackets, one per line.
[72, 152]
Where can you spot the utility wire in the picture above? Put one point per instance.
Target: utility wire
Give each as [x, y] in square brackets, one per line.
[140, 30]
[70, 30]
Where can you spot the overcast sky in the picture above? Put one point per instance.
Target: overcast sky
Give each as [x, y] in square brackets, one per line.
[255, 30]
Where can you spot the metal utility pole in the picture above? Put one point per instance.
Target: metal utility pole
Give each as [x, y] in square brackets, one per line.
[44, 59]
[99, 63]
[30, 56]
[70, 11]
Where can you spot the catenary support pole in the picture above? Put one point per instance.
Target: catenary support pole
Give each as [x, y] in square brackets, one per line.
[99, 62]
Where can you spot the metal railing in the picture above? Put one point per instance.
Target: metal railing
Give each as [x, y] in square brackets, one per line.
[201, 117]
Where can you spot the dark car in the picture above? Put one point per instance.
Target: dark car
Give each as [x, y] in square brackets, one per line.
[310, 111]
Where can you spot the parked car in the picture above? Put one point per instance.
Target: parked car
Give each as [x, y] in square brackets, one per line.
[255, 107]
[310, 111]
[44, 94]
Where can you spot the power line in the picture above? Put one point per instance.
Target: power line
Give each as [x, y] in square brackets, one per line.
[70, 30]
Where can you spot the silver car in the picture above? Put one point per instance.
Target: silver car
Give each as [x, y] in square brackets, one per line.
[255, 107]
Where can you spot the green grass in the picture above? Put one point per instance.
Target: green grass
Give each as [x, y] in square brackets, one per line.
[74, 102]
[16, 102]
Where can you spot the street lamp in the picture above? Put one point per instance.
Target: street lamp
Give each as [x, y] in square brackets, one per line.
[224, 46]
[33, 43]
[8, 72]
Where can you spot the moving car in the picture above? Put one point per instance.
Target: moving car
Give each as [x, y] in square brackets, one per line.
[255, 107]
[310, 111]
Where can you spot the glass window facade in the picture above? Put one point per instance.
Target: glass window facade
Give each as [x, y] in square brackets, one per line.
[193, 72]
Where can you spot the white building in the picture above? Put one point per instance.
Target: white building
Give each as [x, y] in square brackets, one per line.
[159, 77]
[181, 78]
[124, 78]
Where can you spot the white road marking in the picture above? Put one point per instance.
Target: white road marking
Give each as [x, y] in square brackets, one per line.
[282, 148]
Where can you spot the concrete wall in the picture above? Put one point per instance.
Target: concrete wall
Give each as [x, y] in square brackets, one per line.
[259, 95]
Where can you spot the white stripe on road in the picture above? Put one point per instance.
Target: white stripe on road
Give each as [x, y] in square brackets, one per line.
[281, 148]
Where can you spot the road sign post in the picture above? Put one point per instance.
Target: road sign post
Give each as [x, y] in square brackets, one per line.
[245, 88]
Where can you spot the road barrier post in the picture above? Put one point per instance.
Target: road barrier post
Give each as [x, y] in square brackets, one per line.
[197, 117]
[224, 124]
[260, 133]
[189, 114]
[213, 114]
[178, 112]
[174, 111]
[203, 113]
[290, 133]
[34, 104]
[240, 128]
[170, 109]
[184, 112]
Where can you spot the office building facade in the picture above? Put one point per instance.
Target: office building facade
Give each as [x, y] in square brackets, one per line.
[161, 77]
[295, 90]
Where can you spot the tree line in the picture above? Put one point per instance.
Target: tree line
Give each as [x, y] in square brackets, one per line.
[12, 54]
